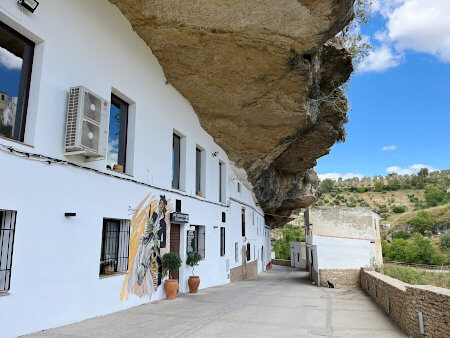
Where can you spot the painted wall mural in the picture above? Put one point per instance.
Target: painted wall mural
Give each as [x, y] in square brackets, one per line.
[149, 241]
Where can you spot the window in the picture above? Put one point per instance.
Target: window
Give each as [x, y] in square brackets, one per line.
[239, 187]
[248, 252]
[221, 182]
[222, 241]
[243, 222]
[115, 246]
[224, 217]
[236, 252]
[15, 75]
[196, 240]
[198, 171]
[117, 137]
[177, 205]
[7, 228]
[176, 156]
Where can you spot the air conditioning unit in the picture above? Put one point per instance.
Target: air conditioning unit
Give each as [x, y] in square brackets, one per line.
[87, 124]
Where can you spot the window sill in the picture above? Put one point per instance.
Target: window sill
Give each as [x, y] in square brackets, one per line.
[118, 172]
[4, 293]
[112, 275]
[15, 141]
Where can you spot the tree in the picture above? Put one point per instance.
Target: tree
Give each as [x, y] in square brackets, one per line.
[398, 250]
[422, 221]
[327, 185]
[423, 172]
[424, 252]
[401, 234]
[398, 209]
[445, 241]
[282, 247]
[434, 196]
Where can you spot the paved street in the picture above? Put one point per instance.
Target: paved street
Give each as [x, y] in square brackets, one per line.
[281, 302]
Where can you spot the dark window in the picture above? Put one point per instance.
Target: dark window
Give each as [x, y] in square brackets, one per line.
[222, 241]
[115, 246]
[239, 187]
[224, 218]
[15, 74]
[243, 221]
[177, 205]
[117, 137]
[236, 252]
[221, 182]
[7, 228]
[248, 252]
[176, 161]
[198, 172]
[196, 240]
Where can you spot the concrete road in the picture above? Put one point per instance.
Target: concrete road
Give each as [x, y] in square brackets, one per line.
[279, 303]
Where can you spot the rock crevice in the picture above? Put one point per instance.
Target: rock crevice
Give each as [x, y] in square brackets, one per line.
[263, 78]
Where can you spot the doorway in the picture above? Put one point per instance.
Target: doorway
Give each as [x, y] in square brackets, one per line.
[175, 245]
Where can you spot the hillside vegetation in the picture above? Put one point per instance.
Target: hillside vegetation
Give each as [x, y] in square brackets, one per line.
[414, 211]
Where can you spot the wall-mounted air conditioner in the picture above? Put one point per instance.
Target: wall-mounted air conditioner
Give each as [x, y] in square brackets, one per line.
[87, 124]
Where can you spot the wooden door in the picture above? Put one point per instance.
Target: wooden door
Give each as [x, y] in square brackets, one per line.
[175, 244]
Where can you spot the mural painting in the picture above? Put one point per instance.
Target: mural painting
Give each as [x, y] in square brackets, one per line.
[148, 243]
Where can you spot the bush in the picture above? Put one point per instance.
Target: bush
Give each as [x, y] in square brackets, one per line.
[445, 240]
[171, 261]
[401, 234]
[434, 196]
[193, 259]
[398, 209]
[417, 276]
[422, 221]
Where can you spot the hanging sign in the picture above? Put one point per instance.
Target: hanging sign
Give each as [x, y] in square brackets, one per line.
[179, 217]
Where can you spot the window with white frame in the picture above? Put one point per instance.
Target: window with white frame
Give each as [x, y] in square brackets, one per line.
[236, 252]
[115, 246]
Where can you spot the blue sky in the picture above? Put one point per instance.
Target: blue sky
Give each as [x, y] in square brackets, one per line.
[400, 95]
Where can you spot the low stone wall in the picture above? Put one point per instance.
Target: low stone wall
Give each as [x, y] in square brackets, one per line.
[283, 262]
[339, 276]
[403, 303]
[237, 273]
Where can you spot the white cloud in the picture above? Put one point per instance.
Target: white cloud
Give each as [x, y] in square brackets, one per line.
[413, 169]
[9, 60]
[113, 152]
[380, 59]
[335, 176]
[389, 148]
[421, 26]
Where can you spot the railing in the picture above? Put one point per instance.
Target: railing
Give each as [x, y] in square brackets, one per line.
[420, 266]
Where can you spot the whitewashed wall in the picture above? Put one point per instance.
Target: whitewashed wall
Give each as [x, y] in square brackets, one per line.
[55, 271]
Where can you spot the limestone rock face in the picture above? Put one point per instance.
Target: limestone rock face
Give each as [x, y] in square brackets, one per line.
[262, 76]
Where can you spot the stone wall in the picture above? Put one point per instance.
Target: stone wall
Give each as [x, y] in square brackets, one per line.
[237, 273]
[403, 302]
[339, 276]
[283, 262]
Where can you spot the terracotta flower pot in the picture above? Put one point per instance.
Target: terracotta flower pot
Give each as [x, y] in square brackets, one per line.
[194, 282]
[171, 288]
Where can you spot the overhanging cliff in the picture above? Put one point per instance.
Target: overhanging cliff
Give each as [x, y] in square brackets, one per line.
[262, 76]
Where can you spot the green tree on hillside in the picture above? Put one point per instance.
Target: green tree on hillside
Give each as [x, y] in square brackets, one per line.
[327, 185]
[282, 247]
[423, 172]
[422, 221]
[423, 251]
[434, 196]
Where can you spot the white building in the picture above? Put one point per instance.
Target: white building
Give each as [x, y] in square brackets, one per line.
[78, 238]
[298, 255]
[340, 241]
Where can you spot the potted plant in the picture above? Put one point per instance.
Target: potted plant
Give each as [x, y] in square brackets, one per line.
[193, 259]
[171, 262]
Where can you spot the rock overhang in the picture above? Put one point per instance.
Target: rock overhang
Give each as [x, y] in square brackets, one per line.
[263, 77]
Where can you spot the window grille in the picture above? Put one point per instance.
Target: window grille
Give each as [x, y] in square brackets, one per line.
[115, 246]
[7, 228]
